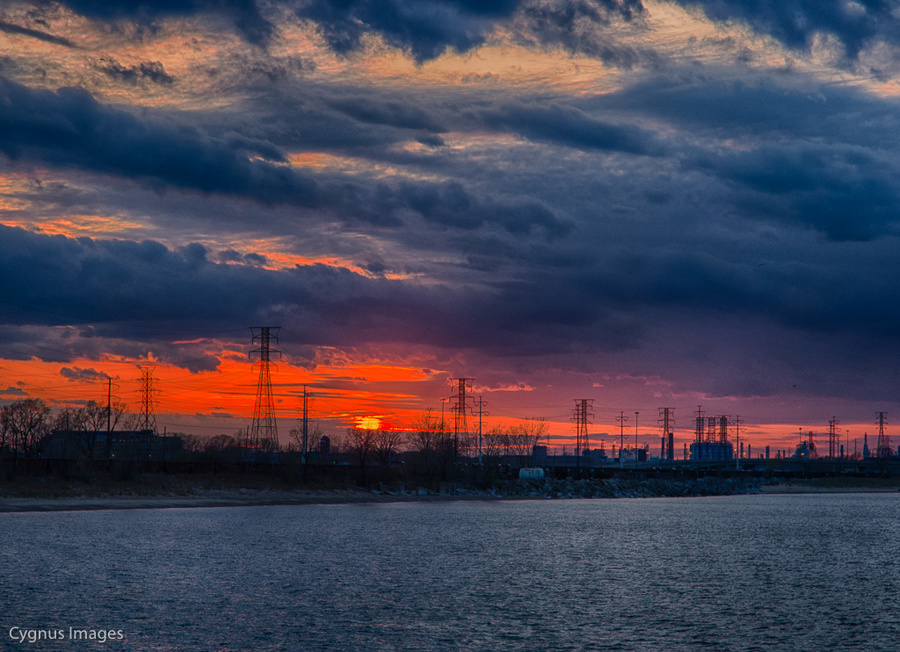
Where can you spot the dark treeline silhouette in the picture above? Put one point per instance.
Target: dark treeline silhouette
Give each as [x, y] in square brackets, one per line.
[429, 454]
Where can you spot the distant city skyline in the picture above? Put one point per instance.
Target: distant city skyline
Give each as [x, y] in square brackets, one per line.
[648, 204]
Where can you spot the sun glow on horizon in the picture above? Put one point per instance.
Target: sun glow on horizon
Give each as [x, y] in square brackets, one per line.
[368, 423]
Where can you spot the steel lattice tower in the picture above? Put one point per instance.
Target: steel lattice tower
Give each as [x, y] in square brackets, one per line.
[667, 416]
[833, 438]
[147, 420]
[699, 421]
[723, 429]
[581, 416]
[460, 407]
[264, 431]
[883, 449]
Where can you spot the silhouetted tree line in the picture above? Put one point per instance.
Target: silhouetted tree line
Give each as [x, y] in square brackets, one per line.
[429, 453]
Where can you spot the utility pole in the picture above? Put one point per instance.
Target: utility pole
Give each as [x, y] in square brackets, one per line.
[636, 413]
[108, 417]
[621, 419]
[264, 430]
[480, 403]
[108, 406]
[304, 446]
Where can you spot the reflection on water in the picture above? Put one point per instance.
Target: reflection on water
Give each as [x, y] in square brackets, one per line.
[795, 572]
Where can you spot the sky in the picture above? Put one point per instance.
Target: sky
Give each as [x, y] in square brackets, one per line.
[643, 203]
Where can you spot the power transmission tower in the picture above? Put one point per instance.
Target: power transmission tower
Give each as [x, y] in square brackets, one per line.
[264, 430]
[622, 419]
[738, 422]
[723, 429]
[883, 449]
[667, 416]
[460, 406]
[582, 415]
[832, 438]
[147, 420]
[699, 424]
[480, 403]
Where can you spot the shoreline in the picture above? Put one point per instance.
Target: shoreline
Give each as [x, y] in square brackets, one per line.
[267, 497]
[13, 504]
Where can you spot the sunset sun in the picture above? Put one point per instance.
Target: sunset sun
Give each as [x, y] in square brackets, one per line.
[368, 423]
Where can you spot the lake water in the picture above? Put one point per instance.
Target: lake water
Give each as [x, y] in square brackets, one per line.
[766, 572]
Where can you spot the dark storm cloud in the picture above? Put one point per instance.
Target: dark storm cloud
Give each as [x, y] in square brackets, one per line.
[846, 193]
[759, 109]
[146, 70]
[794, 22]
[841, 295]
[427, 28]
[245, 14]
[131, 297]
[10, 28]
[569, 126]
[573, 25]
[82, 375]
[424, 27]
[69, 128]
[822, 160]
[232, 256]
[391, 113]
[445, 205]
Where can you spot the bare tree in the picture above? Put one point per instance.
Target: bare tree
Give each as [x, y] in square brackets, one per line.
[91, 422]
[387, 444]
[218, 443]
[5, 434]
[69, 419]
[523, 437]
[69, 426]
[313, 436]
[426, 433]
[192, 443]
[361, 443]
[433, 447]
[27, 420]
[494, 443]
